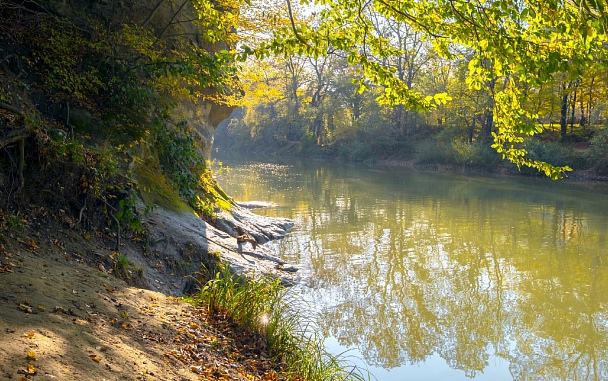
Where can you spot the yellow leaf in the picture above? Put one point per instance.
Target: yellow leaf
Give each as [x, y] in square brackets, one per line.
[30, 335]
[95, 358]
[31, 369]
[24, 308]
[33, 245]
[31, 356]
[124, 314]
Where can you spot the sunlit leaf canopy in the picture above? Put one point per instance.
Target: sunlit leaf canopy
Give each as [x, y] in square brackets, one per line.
[514, 43]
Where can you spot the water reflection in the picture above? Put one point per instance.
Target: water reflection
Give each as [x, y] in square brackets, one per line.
[410, 265]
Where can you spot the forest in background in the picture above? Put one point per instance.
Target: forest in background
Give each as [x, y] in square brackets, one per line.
[485, 82]
[306, 106]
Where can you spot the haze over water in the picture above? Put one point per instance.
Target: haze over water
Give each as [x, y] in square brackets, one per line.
[434, 276]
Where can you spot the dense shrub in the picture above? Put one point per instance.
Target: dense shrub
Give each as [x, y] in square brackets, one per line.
[476, 155]
[598, 154]
[434, 152]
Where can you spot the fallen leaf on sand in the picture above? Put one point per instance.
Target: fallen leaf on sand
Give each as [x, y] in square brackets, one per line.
[61, 309]
[24, 308]
[6, 268]
[32, 246]
[95, 358]
[30, 370]
[31, 356]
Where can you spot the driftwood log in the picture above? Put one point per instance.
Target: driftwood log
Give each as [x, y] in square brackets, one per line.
[243, 236]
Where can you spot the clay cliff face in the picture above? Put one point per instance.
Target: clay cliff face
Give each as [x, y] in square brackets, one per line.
[203, 117]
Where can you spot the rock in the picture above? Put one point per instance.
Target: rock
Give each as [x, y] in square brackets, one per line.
[180, 241]
[256, 204]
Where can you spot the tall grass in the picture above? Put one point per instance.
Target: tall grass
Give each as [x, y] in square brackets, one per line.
[262, 305]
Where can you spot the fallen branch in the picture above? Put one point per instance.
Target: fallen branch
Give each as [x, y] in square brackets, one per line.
[117, 249]
[14, 136]
[12, 109]
[82, 210]
[21, 164]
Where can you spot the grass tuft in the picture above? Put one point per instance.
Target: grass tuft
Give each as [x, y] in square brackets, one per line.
[261, 305]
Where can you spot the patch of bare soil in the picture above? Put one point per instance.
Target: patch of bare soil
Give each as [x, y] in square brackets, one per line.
[64, 317]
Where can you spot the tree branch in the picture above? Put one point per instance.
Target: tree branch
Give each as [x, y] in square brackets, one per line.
[12, 109]
[293, 23]
[14, 136]
[147, 20]
[160, 35]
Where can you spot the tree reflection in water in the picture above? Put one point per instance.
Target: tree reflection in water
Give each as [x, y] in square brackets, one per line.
[408, 265]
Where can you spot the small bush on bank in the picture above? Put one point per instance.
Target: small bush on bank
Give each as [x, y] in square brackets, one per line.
[356, 151]
[555, 153]
[476, 155]
[261, 305]
[395, 149]
[435, 152]
[598, 154]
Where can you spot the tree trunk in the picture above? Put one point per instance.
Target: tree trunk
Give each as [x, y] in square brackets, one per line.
[399, 122]
[563, 122]
[573, 110]
[472, 129]
[318, 127]
[487, 121]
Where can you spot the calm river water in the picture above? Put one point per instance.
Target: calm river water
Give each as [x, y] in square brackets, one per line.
[433, 276]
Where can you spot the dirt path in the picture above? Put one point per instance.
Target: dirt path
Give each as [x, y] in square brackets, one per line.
[64, 321]
[63, 317]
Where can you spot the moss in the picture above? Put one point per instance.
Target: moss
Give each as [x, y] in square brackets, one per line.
[156, 189]
[209, 197]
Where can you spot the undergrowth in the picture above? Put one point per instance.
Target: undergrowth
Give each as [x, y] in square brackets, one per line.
[262, 305]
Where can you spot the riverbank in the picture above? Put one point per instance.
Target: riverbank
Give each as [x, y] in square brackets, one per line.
[74, 309]
[581, 175]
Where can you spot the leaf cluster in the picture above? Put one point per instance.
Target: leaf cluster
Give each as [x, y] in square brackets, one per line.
[529, 42]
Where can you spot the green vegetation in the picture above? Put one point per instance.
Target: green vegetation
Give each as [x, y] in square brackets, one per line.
[96, 91]
[261, 305]
[359, 79]
[122, 265]
[101, 104]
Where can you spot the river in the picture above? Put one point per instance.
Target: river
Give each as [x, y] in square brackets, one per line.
[436, 276]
